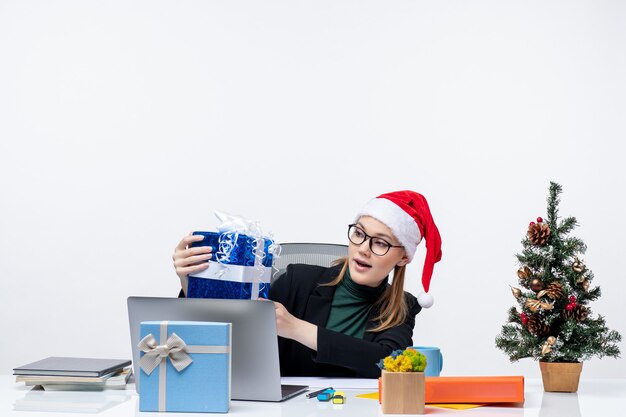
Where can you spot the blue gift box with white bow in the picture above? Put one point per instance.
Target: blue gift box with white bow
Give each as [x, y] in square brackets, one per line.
[240, 268]
[185, 366]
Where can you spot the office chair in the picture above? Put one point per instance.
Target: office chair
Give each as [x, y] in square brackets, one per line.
[322, 254]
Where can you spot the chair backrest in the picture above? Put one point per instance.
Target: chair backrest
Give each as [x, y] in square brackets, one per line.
[322, 254]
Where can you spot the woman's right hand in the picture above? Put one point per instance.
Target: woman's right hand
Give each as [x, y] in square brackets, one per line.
[188, 260]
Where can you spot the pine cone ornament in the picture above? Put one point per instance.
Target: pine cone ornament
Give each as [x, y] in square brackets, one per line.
[554, 290]
[538, 233]
[537, 326]
[579, 313]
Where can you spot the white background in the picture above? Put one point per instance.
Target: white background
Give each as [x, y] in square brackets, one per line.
[123, 125]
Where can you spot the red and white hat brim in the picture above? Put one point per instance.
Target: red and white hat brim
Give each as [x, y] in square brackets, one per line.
[402, 225]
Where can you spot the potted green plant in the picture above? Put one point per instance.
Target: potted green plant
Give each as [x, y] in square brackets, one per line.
[554, 323]
[403, 382]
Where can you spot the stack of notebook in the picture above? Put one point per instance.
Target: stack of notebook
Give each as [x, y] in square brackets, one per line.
[76, 374]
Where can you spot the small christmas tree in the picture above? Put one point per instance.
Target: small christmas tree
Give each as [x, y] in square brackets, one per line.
[555, 322]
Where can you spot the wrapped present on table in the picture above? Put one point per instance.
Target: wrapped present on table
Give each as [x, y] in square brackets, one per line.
[185, 366]
[241, 265]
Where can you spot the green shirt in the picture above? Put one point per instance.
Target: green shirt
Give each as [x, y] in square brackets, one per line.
[351, 306]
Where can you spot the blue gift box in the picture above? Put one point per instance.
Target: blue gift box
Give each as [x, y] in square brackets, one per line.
[239, 274]
[202, 350]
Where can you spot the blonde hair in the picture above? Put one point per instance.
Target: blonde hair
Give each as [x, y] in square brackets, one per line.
[391, 304]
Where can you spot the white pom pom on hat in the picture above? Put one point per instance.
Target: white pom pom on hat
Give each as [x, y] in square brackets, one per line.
[408, 216]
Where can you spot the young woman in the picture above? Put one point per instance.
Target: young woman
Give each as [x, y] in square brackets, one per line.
[340, 321]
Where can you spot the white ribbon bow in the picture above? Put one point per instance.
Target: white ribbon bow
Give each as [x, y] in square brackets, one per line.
[175, 348]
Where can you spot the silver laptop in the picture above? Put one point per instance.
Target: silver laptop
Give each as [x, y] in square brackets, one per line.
[255, 366]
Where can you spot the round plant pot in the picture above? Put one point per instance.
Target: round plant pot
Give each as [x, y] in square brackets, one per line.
[560, 376]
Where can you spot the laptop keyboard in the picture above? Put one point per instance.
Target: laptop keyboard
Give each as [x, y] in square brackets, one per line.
[291, 390]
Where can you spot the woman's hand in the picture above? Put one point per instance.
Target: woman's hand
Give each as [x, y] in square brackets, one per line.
[188, 260]
[290, 327]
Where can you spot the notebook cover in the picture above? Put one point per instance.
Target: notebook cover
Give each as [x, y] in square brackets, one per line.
[475, 389]
[66, 366]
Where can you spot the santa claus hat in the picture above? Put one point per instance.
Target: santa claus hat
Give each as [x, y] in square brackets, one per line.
[408, 216]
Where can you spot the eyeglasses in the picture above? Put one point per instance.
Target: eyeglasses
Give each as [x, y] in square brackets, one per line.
[378, 246]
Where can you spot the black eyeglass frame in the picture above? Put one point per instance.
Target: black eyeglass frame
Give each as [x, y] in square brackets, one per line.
[389, 245]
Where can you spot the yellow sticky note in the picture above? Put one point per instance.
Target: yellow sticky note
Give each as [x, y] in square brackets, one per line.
[374, 396]
[456, 406]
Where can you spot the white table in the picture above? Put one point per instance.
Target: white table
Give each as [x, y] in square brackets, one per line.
[599, 397]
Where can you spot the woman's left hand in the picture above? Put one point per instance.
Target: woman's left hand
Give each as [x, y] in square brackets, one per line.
[290, 327]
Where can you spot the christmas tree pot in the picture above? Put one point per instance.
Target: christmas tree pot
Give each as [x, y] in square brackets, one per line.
[403, 392]
[560, 376]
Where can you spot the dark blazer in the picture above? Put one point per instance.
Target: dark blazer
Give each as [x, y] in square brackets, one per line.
[337, 354]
